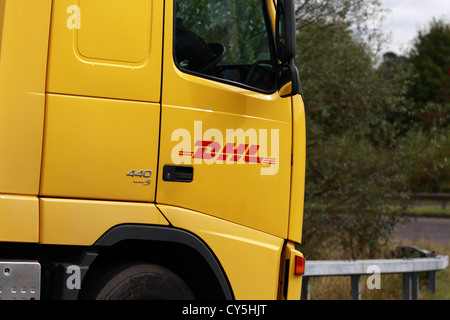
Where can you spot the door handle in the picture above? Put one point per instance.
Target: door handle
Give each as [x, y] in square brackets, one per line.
[178, 173]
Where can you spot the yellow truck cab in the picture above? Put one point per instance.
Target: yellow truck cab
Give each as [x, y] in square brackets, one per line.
[150, 140]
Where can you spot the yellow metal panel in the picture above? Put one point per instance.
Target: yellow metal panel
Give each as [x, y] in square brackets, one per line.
[298, 169]
[82, 222]
[250, 258]
[91, 145]
[19, 218]
[196, 109]
[108, 49]
[23, 59]
[115, 30]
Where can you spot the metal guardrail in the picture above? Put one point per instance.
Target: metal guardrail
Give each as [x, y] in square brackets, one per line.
[441, 197]
[409, 267]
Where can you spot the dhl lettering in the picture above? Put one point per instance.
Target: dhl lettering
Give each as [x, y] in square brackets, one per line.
[249, 147]
[231, 151]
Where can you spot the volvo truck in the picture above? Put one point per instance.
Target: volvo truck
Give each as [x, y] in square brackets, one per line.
[150, 149]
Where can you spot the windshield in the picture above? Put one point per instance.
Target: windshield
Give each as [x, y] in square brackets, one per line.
[225, 39]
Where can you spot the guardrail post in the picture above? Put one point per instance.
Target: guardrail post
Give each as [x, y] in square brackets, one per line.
[356, 287]
[411, 286]
[432, 281]
[415, 286]
[306, 294]
[406, 286]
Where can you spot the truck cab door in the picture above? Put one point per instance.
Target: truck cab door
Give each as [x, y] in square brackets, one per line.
[225, 130]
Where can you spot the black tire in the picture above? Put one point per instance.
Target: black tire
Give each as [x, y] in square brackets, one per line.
[139, 282]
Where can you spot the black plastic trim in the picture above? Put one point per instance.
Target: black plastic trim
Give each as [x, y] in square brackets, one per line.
[168, 234]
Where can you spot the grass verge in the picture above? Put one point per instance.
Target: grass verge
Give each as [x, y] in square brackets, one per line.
[429, 211]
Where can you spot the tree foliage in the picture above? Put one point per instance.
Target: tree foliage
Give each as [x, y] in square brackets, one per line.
[430, 94]
[356, 154]
[430, 57]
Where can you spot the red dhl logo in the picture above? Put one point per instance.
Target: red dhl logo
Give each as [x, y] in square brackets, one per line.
[231, 153]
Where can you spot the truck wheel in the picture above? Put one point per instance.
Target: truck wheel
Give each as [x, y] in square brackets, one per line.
[139, 282]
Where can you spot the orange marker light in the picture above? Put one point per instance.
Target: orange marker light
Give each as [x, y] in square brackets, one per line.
[299, 265]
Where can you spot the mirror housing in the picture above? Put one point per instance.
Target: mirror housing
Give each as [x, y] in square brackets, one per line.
[285, 30]
[289, 84]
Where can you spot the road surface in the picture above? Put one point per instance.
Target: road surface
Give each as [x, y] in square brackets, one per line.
[428, 229]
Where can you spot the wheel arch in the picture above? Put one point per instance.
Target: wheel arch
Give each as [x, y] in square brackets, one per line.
[176, 249]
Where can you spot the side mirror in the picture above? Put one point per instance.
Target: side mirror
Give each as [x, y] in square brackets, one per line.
[289, 80]
[289, 84]
[285, 30]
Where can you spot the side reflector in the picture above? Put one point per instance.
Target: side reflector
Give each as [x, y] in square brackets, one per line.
[299, 265]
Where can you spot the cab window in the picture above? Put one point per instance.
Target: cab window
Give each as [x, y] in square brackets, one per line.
[225, 40]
